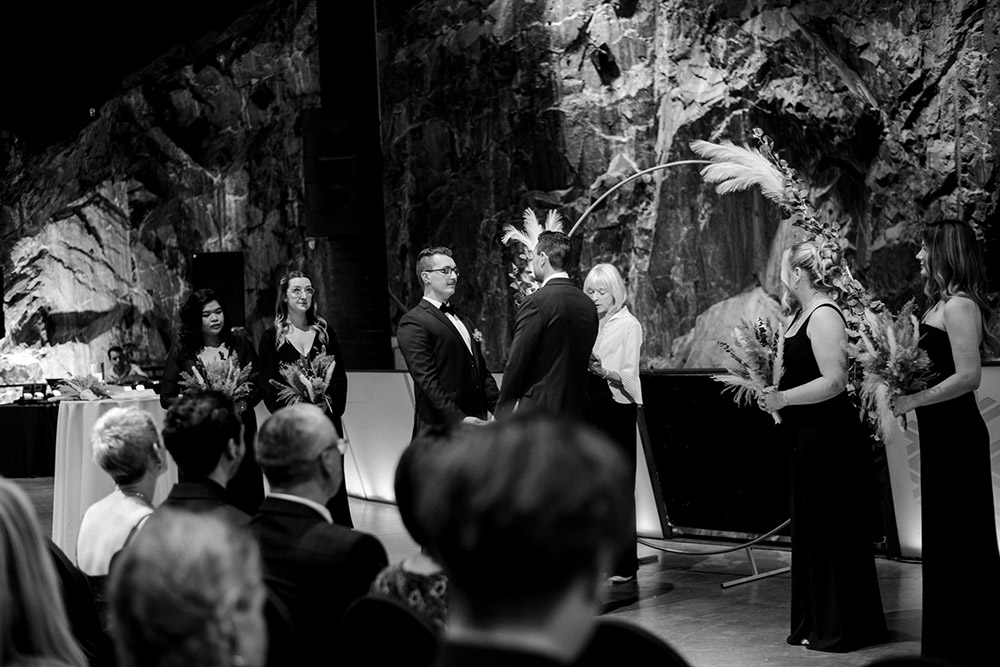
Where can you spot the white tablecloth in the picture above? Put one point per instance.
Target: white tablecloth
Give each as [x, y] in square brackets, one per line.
[79, 482]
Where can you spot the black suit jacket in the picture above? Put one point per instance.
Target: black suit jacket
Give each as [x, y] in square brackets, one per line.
[554, 335]
[450, 382]
[270, 364]
[316, 568]
[204, 495]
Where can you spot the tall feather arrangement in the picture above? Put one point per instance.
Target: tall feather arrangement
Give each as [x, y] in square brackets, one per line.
[738, 168]
[523, 281]
[754, 361]
[224, 374]
[891, 362]
[307, 380]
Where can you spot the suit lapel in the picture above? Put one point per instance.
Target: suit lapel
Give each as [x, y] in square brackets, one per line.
[436, 312]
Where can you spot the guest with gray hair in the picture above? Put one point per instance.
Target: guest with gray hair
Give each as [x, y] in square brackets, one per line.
[188, 593]
[125, 445]
[314, 566]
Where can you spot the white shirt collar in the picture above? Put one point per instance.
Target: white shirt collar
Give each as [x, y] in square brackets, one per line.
[557, 274]
[323, 511]
[433, 302]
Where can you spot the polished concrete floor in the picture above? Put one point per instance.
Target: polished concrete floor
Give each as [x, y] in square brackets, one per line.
[680, 598]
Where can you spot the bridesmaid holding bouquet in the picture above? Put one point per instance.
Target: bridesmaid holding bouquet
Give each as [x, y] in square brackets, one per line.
[204, 340]
[836, 603]
[300, 335]
[958, 520]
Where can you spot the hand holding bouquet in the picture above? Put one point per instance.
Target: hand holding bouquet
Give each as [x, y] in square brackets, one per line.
[892, 363]
[754, 362]
[306, 381]
[223, 375]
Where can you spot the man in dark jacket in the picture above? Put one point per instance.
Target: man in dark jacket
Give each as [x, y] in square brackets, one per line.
[316, 567]
[443, 351]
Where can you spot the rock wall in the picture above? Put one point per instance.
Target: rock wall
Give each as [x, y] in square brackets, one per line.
[884, 108]
[201, 153]
[490, 106]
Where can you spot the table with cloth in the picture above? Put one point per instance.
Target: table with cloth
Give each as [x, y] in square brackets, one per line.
[79, 481]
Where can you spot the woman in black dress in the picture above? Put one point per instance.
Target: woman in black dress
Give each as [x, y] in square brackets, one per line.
[300, 332]
[956, 487]
[205, 337]
[836, 604]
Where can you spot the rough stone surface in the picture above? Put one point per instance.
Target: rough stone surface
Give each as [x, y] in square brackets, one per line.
[884, 109]
[201, 153]
[490, 106]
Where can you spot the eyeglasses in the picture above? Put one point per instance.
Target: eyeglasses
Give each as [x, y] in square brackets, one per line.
[446, 270]
[299, 291]
[339, 443]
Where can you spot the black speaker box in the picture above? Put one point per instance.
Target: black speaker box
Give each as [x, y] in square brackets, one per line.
[222, 272]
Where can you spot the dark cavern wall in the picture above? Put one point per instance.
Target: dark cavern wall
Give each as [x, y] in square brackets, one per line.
[488, 107]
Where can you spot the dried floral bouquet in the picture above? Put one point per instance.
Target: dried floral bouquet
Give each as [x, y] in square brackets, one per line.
[754, 361]
[306, 381]
[223, 375]
[892, 363]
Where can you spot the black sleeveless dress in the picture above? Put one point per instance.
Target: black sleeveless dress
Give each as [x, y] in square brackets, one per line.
[836, 604]
[961, 563]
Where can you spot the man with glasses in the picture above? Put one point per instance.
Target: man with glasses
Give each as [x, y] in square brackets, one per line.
[443, 351]
[314, 566]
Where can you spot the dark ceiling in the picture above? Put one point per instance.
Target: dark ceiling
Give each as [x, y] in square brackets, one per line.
[62, 59]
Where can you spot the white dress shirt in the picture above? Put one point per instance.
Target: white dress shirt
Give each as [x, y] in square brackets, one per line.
[619, 339]
[557, 274]
[324, 512]
[456, 320]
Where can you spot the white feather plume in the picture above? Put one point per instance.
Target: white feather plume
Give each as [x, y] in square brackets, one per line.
[532, 228]
[740, 168]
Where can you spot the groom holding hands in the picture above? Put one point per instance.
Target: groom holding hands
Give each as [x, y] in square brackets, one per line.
[553, 337]
[442, 351]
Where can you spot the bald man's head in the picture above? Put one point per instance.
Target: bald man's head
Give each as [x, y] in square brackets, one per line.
[291, 442]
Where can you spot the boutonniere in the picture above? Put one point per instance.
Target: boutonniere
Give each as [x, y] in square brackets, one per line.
[477, 336]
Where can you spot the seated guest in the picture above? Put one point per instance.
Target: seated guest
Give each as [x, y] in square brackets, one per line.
[127, 447]
[189, 592]
[34, 629]
[417, 580]
[122, 371]
[525, 515]
[317, 568]
[204, 435]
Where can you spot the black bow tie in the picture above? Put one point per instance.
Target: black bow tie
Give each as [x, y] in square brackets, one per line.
[447, 309]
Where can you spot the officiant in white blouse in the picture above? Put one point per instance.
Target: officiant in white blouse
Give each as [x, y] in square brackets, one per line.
[615, 391]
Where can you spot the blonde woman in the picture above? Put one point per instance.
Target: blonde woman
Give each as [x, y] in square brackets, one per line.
[126, 445]
[614, 386]
[34, 630]
[836, 604]
[300, 332]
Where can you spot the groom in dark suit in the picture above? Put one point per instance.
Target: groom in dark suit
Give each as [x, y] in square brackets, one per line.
[553, 338]
[443, 351]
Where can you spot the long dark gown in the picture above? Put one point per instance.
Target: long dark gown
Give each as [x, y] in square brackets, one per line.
[270, 364]
[961, 563]
[836, 604]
